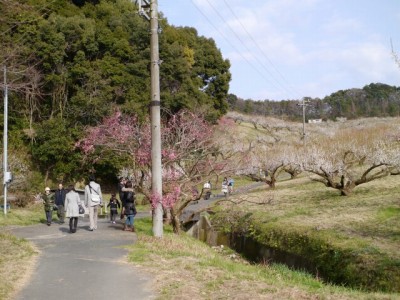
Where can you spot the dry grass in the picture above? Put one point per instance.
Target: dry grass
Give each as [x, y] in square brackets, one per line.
[184, 268]
[311, 204]
[17, 261]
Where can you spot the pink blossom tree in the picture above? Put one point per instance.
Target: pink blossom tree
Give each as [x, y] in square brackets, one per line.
[190, 155]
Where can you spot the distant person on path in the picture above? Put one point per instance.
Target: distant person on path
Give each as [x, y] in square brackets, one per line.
[230, 185]
[207, 190]
[93, 199]
[72, 202]
[130, 209]
[225, 186]
[60, 199]
[121, 185]
[114, 206]
[48, 201]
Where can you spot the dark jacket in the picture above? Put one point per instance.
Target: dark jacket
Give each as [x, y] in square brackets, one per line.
[48, 201]
[129, 200]
[114, 205]
[60, 196]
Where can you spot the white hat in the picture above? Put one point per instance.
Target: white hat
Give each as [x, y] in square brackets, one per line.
[47, 189]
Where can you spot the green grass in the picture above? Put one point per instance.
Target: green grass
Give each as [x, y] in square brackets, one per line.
[30, 215]
[364, 225]
[185, 267]
[17, 256]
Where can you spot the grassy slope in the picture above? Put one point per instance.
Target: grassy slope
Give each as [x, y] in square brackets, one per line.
[17, 256]
[371, 213]
[184, 268]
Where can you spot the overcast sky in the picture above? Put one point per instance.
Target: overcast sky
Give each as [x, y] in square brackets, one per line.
[288, 49]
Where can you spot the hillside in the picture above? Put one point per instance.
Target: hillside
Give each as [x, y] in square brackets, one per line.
[347, 239]
[373, 100]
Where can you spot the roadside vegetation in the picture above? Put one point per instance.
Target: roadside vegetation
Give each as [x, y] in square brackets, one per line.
[184, 268]
[17, 256]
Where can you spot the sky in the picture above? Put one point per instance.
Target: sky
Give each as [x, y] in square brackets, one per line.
[290, 49]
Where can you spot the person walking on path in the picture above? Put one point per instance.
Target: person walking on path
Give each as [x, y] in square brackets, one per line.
[72, 202]
[230, 185]
[121, 185]
[93, 199]
[48, 201]
[60, 200]
[114, 205]
[130, 209]
[207, 190]
[224, 188]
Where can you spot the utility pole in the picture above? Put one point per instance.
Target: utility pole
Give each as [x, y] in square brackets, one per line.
[6, 174]
[156, 169]
[304, 104]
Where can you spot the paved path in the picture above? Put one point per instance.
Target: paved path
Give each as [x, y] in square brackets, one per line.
[191, 212]
[84, 265]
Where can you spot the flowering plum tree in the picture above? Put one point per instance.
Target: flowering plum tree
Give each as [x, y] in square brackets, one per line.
[190, 155]
[352, 157]
[265, 163]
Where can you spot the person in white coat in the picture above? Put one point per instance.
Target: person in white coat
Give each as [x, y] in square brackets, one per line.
[93, 199]
[72, 202]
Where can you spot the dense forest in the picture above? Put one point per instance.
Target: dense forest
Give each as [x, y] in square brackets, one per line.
[72, 63]
[373, 100]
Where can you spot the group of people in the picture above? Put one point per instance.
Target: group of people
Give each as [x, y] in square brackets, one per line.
[67, 203]
[226, 188]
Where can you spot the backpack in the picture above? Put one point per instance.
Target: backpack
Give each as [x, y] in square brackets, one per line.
[130, 197]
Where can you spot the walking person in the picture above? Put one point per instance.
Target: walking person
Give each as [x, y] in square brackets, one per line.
[230, 185]
[207, 190]
[114, 205]
[60, 199]
[72, 202]
[48, 201]
[121, 185]
[93, 199]
[130, 209]
[224, 188]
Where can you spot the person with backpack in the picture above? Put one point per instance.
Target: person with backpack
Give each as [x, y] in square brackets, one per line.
[114, 205]
[93, 199]
[130, 208]
[230, 185]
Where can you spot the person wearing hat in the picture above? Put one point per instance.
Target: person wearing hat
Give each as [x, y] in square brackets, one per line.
[48, 201]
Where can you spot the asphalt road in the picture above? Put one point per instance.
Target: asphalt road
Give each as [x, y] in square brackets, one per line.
[84, 265]
[191, 212]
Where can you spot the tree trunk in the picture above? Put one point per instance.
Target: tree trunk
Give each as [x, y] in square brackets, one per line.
[271, 182]
[345, 192]
[176, 225]
[168, 217]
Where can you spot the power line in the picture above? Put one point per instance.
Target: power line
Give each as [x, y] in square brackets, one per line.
[247, 48]
[260, 49]
[233, 46]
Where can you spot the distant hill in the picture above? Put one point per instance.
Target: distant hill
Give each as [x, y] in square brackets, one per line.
[373, 100]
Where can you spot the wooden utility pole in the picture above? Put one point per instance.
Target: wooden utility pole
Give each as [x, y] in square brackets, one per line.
[156, 169]
[304, 104]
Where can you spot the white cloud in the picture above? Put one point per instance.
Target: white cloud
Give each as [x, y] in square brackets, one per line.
[319, 46]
